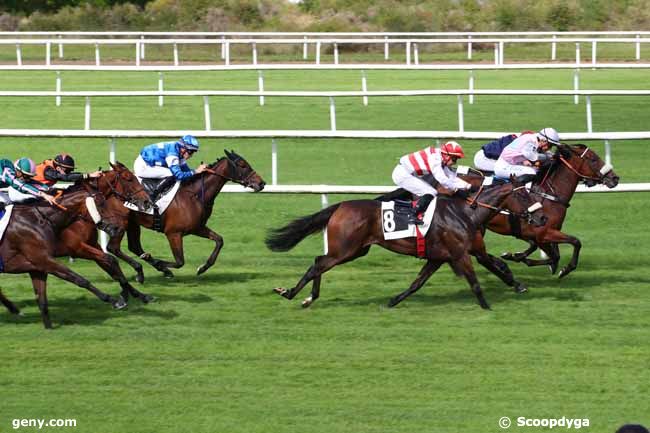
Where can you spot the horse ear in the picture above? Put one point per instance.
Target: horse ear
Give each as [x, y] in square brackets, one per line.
[227, 153]
[112, 165]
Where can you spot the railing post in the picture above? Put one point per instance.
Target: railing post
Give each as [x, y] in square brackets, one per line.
[254, 53]
[324, 203]
[594, 44]
[58, 88]
[501, 50]
[227, 60]
[336, 53]
[364, 87]
[137, 53]
[554, 48]
[332, 114]
[142, 47]
[638, 47]
[576, 85]
[469, 48]
[87, 114]
[161, 98]
[223, 47]
[386, 49]
[19, 56]
[408, 52]
[318, 52]
[112, 151]
[260, 85]
[577, 53]
[48, 53]
[608, 152]
[175, 54]
[97, 63]
[274, 162]
[305, 51]
[60, 48]
[461, 120]
[589, 124]
[206, 112]
[416, 54]
[471, 87]
[496, 53]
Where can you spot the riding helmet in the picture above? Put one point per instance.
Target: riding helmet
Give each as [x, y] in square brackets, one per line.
[189, 142]
[25, 166]
[64, 160]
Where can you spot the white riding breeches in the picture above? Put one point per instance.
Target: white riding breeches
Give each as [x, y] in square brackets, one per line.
[503, 169]
[412, 184]
[143, 170]
[16, 196]
[482, 162]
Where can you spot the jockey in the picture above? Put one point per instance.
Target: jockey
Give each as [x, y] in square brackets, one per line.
[167, 160]
[58, 169]
[488, 154]
[433, 161]
[18, 177]
[520, 156]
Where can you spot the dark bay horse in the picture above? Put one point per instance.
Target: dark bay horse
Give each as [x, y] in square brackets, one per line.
[354, 226]
[31, 240]
[80, 240]
[571, 165]
[188, 213]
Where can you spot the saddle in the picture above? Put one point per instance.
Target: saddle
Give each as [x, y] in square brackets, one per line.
[156, 188]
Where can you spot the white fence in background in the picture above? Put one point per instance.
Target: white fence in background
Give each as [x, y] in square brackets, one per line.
[410, 45]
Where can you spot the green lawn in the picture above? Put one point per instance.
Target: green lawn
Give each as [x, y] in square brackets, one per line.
[221, 353]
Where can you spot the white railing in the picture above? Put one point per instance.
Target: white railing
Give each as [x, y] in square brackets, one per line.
[411, 49]
[330, 95]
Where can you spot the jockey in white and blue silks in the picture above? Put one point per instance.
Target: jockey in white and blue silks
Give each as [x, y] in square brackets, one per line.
[167, 159]
[520, 156]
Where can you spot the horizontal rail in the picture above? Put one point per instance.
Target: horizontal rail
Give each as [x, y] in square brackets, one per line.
[315, 133]
[352, 93]
[323, 34]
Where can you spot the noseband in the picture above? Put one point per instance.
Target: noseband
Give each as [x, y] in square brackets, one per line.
[124, 197]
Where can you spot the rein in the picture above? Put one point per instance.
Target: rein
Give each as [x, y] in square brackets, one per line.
[121, 196]
[244, 181]
[473, 202]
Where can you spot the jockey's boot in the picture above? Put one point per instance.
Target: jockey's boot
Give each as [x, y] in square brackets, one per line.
[421, 207]
[169, 181]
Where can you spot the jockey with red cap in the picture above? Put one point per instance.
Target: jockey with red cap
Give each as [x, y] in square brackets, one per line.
[437, 162]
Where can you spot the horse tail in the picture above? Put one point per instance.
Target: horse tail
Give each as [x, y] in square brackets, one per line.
[287, 237]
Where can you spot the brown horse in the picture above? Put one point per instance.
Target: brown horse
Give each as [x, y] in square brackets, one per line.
[80, 240]
[30, 242]
[188, 213]
[354, 226]
[571, 165]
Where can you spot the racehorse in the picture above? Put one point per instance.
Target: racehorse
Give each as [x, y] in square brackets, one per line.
[354, 226]
[80, 240]
[30, 241]
[555, 187]
[188, 213]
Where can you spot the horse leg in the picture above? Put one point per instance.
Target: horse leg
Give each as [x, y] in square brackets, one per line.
[521, 255]
[206, 232]
[315, 288]
[427, 270]
[500, 269]
[464, 267]
[557, 237]
[176, 244]
[110, 265]
[55, 268]
[10, 305]
[39, 282]
[135, 246]
[114, 247]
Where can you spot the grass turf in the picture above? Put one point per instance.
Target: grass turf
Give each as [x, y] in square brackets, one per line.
[221, 353]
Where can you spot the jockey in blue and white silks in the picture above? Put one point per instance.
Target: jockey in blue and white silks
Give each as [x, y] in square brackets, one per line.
[168, 159]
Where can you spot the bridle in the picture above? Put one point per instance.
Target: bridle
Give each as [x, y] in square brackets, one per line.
[599, 179]
[527, 214]
[123, 197]
[232, 163]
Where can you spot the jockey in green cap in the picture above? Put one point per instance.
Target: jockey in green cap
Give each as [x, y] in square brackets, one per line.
[18, 177]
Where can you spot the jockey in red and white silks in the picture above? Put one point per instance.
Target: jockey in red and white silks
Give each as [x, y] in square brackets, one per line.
[433, 161]
[519, 157]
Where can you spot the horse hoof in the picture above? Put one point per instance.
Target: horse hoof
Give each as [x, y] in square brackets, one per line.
[200, 270]
[520, 288]
[119, 304]
[507, 256]
[168, 274]
[307, 302]
[484, 305]
[393, 302]
[553, 268]
[146, 299]
[280, 291]
[565, 271]
[139, 278]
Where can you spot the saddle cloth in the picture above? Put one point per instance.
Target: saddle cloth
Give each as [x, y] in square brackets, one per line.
[394, 220]
[162, 203]
[5, 216]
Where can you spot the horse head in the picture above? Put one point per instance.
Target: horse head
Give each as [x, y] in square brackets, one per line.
[585, 163]
[122, 183]
[241, 172]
